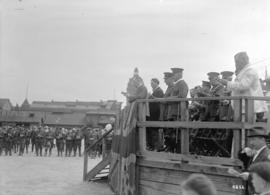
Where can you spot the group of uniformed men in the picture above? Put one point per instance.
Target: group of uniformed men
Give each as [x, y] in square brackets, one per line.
[18, 138]
[214, 110]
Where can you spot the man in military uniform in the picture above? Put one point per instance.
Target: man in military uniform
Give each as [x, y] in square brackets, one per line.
[77, 142]
[8, 141]
[21, 140]
[39, 141]
[48, 140]
[169, 135]
[225, 108]
[178, 111]
[215, 91]
[33, 136]
[59, 135]
[1, 140]
[69, 138]
[27, 139]
[152, 133]
[180, 90]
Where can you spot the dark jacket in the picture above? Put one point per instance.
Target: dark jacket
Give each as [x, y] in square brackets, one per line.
[154, 107]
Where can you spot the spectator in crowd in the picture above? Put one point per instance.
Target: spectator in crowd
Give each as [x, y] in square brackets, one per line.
[198, 184]
[260, 174]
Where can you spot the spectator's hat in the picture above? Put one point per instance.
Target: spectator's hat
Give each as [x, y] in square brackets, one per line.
[177, 70]
[257, 132]
[227, 74]
[213, 75]
[167, 75]
[206, 83]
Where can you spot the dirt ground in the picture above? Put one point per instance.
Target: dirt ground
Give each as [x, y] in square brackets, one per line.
[31, 175]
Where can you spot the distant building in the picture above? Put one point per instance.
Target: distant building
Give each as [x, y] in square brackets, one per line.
[67, 114]
[5, 104]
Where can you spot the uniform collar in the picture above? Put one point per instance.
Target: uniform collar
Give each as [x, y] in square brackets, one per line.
[258, 152]
[178, 80]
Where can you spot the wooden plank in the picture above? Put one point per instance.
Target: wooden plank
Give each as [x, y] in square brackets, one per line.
[222, 183]
[193, 125]
[142, 130]
[85, 165]
[190, 158]
[178, 166]
[184, 132]
[101, 165]
[191, 99]
[249, 111]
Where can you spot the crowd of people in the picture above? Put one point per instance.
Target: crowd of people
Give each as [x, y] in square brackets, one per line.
[41, 140]
[246, 83]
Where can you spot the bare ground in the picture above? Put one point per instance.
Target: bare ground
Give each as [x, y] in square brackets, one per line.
[31, 175]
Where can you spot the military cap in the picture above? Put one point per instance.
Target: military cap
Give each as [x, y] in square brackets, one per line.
[213, 74]
[168, 74]
[155, 80]
[177, 70]
[206, 83]
[226, 74]
[257, 132]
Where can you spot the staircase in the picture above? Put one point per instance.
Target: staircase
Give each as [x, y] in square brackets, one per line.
[100, 171]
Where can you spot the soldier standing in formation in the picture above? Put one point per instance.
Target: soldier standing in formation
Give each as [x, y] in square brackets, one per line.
[60, 141]
[39, 141]
[77, 142]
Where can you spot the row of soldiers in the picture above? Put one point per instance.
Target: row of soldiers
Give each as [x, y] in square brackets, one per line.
[18, 139]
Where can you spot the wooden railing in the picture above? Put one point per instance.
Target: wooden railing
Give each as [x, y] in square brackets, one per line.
[87, 150]
[238, 126]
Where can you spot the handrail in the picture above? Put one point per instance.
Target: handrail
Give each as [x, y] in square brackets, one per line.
[204, 98]
[100, 139]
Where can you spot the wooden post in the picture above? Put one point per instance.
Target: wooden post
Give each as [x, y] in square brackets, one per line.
[249, 111]
[236, 144]
[184, 132]
[104, 148]
[142, 130]
[85, 164]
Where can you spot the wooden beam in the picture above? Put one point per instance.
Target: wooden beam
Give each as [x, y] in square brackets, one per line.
[142, 129]
[101, 165]
[217, 170]
[85, 165]
[166, 156]
[192, 125]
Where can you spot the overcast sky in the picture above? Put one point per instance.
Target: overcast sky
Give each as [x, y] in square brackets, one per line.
[87, 49]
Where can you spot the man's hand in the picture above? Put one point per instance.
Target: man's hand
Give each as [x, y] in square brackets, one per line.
[249, 152]
[244, 176]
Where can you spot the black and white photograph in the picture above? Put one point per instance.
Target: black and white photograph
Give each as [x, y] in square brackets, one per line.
[134, 97]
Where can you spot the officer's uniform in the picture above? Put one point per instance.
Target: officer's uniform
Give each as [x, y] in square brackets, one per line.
[77, 142]
[69, 139]
[225, 108]
[21, 139]
[60, 141]
[39, 141]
